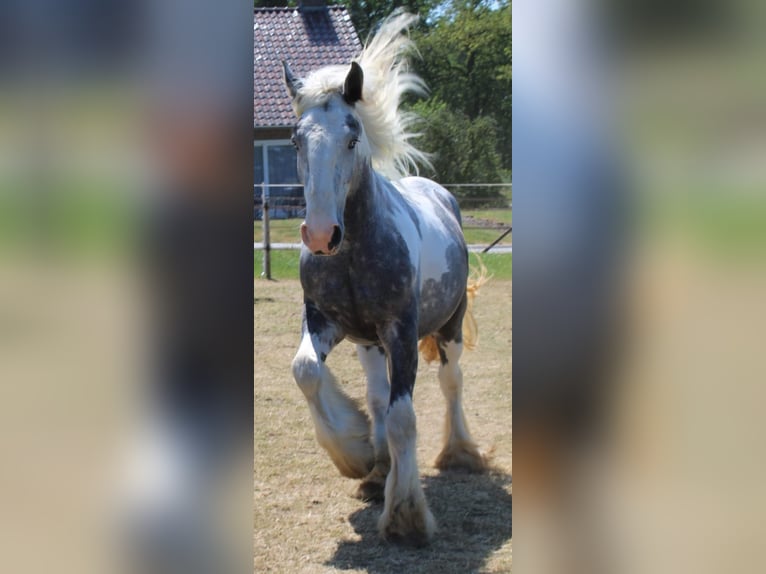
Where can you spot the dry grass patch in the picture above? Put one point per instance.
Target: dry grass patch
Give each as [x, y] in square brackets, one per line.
[306, 518]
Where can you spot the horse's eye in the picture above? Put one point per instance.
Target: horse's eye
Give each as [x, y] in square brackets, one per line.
[352, 143]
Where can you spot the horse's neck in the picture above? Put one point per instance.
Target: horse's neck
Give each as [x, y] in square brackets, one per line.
[366, 200]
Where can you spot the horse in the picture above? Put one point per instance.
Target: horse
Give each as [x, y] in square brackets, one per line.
[383, 264]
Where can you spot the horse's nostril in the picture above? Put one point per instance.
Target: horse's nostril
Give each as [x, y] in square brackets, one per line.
[336, 237]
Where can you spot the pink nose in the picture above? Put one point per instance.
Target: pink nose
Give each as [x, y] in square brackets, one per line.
[324, 241]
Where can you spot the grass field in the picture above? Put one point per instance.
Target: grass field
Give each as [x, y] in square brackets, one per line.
[504, 216]
[288, 231]
[306, 518]
[285, 263]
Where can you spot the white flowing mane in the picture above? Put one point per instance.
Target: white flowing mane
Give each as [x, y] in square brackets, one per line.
[386, 79]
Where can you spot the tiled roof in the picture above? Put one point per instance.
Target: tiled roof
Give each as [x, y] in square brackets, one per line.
[307, 39]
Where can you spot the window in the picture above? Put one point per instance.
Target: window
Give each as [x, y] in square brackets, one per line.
[283, 167]
[276, 168]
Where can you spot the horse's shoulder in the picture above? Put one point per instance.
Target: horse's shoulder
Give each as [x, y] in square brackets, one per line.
[420, 184]
[425, 192]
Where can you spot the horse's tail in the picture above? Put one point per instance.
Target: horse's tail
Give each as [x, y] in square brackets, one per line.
[477, 278]
[429, 348]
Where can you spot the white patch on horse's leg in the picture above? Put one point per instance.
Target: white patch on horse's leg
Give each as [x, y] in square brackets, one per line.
[406, 517]
[342, 429]
[375, 367]
[460, 451]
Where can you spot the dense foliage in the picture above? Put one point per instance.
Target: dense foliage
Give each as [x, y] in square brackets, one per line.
[463, 150]
[466, 62]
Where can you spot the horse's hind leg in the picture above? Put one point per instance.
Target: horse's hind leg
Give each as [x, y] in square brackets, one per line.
[460, 451]
[375, 366]
[341, 427]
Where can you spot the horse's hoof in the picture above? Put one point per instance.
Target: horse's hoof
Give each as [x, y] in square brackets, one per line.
[462, 456]
[410, 523]
[370, 492]
[413, 539]
[373, 486]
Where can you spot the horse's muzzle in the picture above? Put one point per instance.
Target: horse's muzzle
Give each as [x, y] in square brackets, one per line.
[322, 242]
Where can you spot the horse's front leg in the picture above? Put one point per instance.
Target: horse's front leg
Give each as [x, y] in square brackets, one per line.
[406, 517]
[342, 429]
[375, 364]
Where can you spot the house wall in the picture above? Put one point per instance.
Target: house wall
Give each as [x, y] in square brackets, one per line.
[281, 133]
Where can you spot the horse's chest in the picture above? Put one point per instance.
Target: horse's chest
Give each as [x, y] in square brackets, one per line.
[360, 298]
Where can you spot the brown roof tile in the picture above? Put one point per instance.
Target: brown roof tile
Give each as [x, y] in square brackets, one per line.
[308, 39]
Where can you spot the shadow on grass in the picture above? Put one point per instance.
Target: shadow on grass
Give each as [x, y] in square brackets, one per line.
[473, 513]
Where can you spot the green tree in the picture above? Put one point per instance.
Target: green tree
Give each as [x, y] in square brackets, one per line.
[366, 14]
[463, 150]
[466, 62]
[274, 3]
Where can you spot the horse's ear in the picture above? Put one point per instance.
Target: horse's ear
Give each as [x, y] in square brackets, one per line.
[352, 87]
[292, 83]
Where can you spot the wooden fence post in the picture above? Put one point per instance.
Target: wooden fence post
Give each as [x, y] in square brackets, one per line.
[266, 239]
